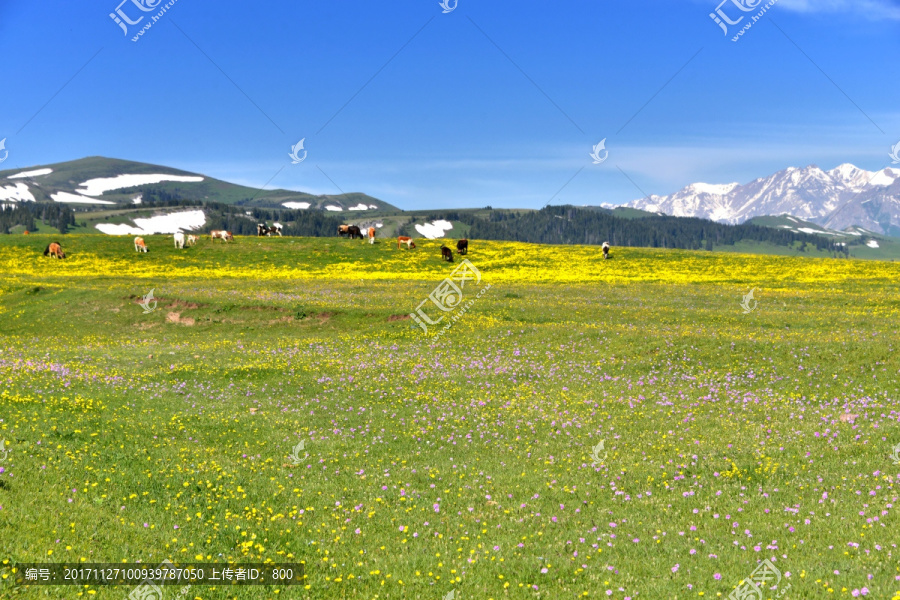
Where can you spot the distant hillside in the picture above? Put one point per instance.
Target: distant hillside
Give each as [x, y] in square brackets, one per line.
[858, 242]
[573, 225]
[99, 181]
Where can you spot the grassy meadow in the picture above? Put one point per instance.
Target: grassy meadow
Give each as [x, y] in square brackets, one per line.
[617, 429]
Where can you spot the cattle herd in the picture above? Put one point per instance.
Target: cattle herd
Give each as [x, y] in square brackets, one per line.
[352, 231]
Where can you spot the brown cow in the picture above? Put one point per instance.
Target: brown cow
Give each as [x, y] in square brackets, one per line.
[139, 245]
[405, 240]
[446, 254]
[462, 247]
[221, 235]
[371, 235]
[54, 250]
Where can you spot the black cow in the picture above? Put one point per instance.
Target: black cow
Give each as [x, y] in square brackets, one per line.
[446, 254]
[354, 232]
[605, 250]
[462, 247]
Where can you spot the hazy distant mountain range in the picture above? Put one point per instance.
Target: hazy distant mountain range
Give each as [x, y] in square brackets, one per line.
[837, 199]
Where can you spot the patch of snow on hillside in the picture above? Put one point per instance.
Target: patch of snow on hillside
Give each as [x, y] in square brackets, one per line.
[295, 204]
[372, 206]
[67, 198]
[434, 230]
[137, 199]
[17, 193]
[882, 178]
[170, 223]
[96, 187]
[818, 231]
[333, 208]
[35, 173]
[872, 244]
[359, 207]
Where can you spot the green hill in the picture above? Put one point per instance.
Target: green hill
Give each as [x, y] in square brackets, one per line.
[68, 177]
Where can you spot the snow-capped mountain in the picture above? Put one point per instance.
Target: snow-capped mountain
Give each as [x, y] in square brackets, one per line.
[837, 199]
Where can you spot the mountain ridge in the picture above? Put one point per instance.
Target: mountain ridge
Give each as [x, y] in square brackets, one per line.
[66, 183]
[838, 198]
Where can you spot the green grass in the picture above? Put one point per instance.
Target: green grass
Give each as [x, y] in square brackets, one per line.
[717, 425]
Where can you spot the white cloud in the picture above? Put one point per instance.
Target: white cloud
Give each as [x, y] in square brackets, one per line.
[870, 9]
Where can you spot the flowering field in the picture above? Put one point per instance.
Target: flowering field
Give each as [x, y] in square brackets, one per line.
[603, 429]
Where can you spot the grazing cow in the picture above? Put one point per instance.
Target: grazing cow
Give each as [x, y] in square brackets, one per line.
[354, 232]
[343, 230]
[191, 240]
[140, 245]
[221, 235]
[405, 240]
[371, 235]
[263, 229]
[54, 250]
[446, 254]
[179, 240]
[605, 250]
[462, 247]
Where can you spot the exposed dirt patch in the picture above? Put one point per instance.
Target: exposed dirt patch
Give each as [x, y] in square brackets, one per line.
[324, 316]
[281, 320]
[168, 303]
[397, 317]
[174, 317]
[182, 304]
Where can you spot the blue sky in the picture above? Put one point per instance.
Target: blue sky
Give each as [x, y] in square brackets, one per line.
[494, 103]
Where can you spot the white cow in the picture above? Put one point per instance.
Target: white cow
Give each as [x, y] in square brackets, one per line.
[179, 240]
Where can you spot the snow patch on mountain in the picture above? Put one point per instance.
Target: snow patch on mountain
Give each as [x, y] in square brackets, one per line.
[434, 229]
[35, 173]
[295, 204]
[17, 193]
[96, 187]
[190, 220]
[67, 198]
